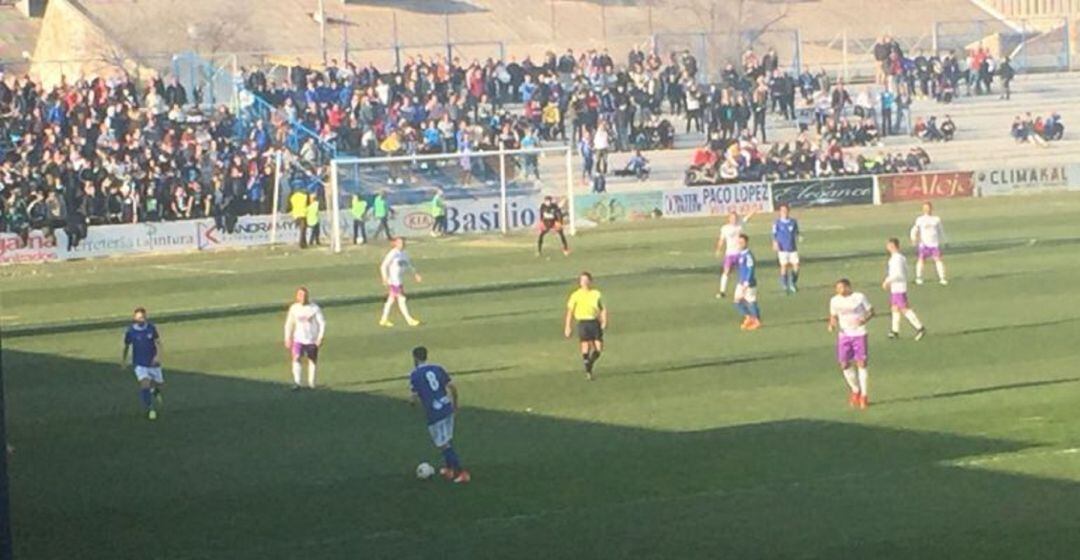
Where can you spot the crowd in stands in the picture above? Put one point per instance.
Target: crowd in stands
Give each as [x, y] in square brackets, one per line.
[106, 151]
[98, 151]
[930, 130]
[940, 77]
[804, 158]
[1037, 130]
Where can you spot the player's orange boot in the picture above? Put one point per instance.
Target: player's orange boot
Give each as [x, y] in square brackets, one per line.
[463, 477]
[745, 323]
[853, 399]
[864, 402]
[447, 473]
[754, 324]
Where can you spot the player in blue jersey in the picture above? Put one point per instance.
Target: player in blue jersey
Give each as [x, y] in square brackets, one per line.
[746, 290]
[785, 234]
[432, 387]
[143, 340]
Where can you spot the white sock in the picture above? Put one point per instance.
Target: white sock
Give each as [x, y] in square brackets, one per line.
[912, 318]
[896, 321]
[386, 309]
[311, 374]
[296, 372]
[919, 268]
[404, 307]
[723, 283]
[864, 381]
[940, 269]
[853, 383]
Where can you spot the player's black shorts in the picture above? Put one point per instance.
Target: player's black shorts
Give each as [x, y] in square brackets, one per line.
[549, 225]
[590, 330]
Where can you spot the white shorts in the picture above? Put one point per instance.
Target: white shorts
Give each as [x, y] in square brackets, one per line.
[786, 257]
[745, 293]
[151, 373]
[442, 431]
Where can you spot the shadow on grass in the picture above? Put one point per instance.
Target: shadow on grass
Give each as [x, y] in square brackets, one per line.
[247, 470]
[981, 390]
[705, 364]
[401, 378]
[1013, 327]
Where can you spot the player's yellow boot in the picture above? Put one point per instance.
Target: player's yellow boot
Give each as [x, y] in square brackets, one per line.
[385, 323]
[152, 415]
[414, 323]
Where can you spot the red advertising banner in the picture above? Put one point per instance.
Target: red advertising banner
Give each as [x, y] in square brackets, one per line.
[923, 186]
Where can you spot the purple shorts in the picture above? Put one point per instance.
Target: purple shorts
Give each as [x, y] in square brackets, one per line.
[311, 351]
[397, 290]
[730, 261]
[929, 252]
[898, 300]
[851, 349]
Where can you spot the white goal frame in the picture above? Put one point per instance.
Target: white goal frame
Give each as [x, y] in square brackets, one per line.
[334, 193]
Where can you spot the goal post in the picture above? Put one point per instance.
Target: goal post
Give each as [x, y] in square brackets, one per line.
[484, 191]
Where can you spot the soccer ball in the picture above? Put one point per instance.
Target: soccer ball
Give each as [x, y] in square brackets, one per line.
[425, 471]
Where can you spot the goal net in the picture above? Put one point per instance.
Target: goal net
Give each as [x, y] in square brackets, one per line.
[483, 192]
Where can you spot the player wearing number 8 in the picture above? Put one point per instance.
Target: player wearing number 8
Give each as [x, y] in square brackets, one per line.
[587, 308]
[432, 387]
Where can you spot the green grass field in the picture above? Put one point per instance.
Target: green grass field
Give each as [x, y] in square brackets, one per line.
[696, 441]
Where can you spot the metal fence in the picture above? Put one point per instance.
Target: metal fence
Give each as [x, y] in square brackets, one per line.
[714, 51]
[1034, 44]
[1041, 44]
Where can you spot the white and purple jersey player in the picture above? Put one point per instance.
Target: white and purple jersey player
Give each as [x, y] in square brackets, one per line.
[430, 383]
[850, 312]
[393, 270]
[928, 235]
[896, 280]
[142, 338]
[729, 237]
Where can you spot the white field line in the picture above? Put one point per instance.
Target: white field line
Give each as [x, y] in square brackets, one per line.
[1017, 456]
[194, 270]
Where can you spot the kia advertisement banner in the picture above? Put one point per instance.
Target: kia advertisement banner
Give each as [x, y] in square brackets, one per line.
[712, 200]
[1019, 180]
[925, 186]
[837, 191]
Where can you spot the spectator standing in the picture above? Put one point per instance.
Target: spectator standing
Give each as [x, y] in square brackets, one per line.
[1006, 73]
[888, 102]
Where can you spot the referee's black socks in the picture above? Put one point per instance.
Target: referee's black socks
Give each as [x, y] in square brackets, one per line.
[586, 359]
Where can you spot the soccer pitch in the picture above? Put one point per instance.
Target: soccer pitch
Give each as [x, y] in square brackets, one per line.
[697, 440]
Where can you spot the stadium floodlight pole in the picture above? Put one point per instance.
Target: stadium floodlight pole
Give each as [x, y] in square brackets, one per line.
[322, 29]
[277, 199]
[504, 215]
[335, 208]
[570, 190]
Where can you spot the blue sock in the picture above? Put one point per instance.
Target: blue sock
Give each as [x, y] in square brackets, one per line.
[755, 311]
[146, 397]
[741, 307]
[784, 280]
[451, 458]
